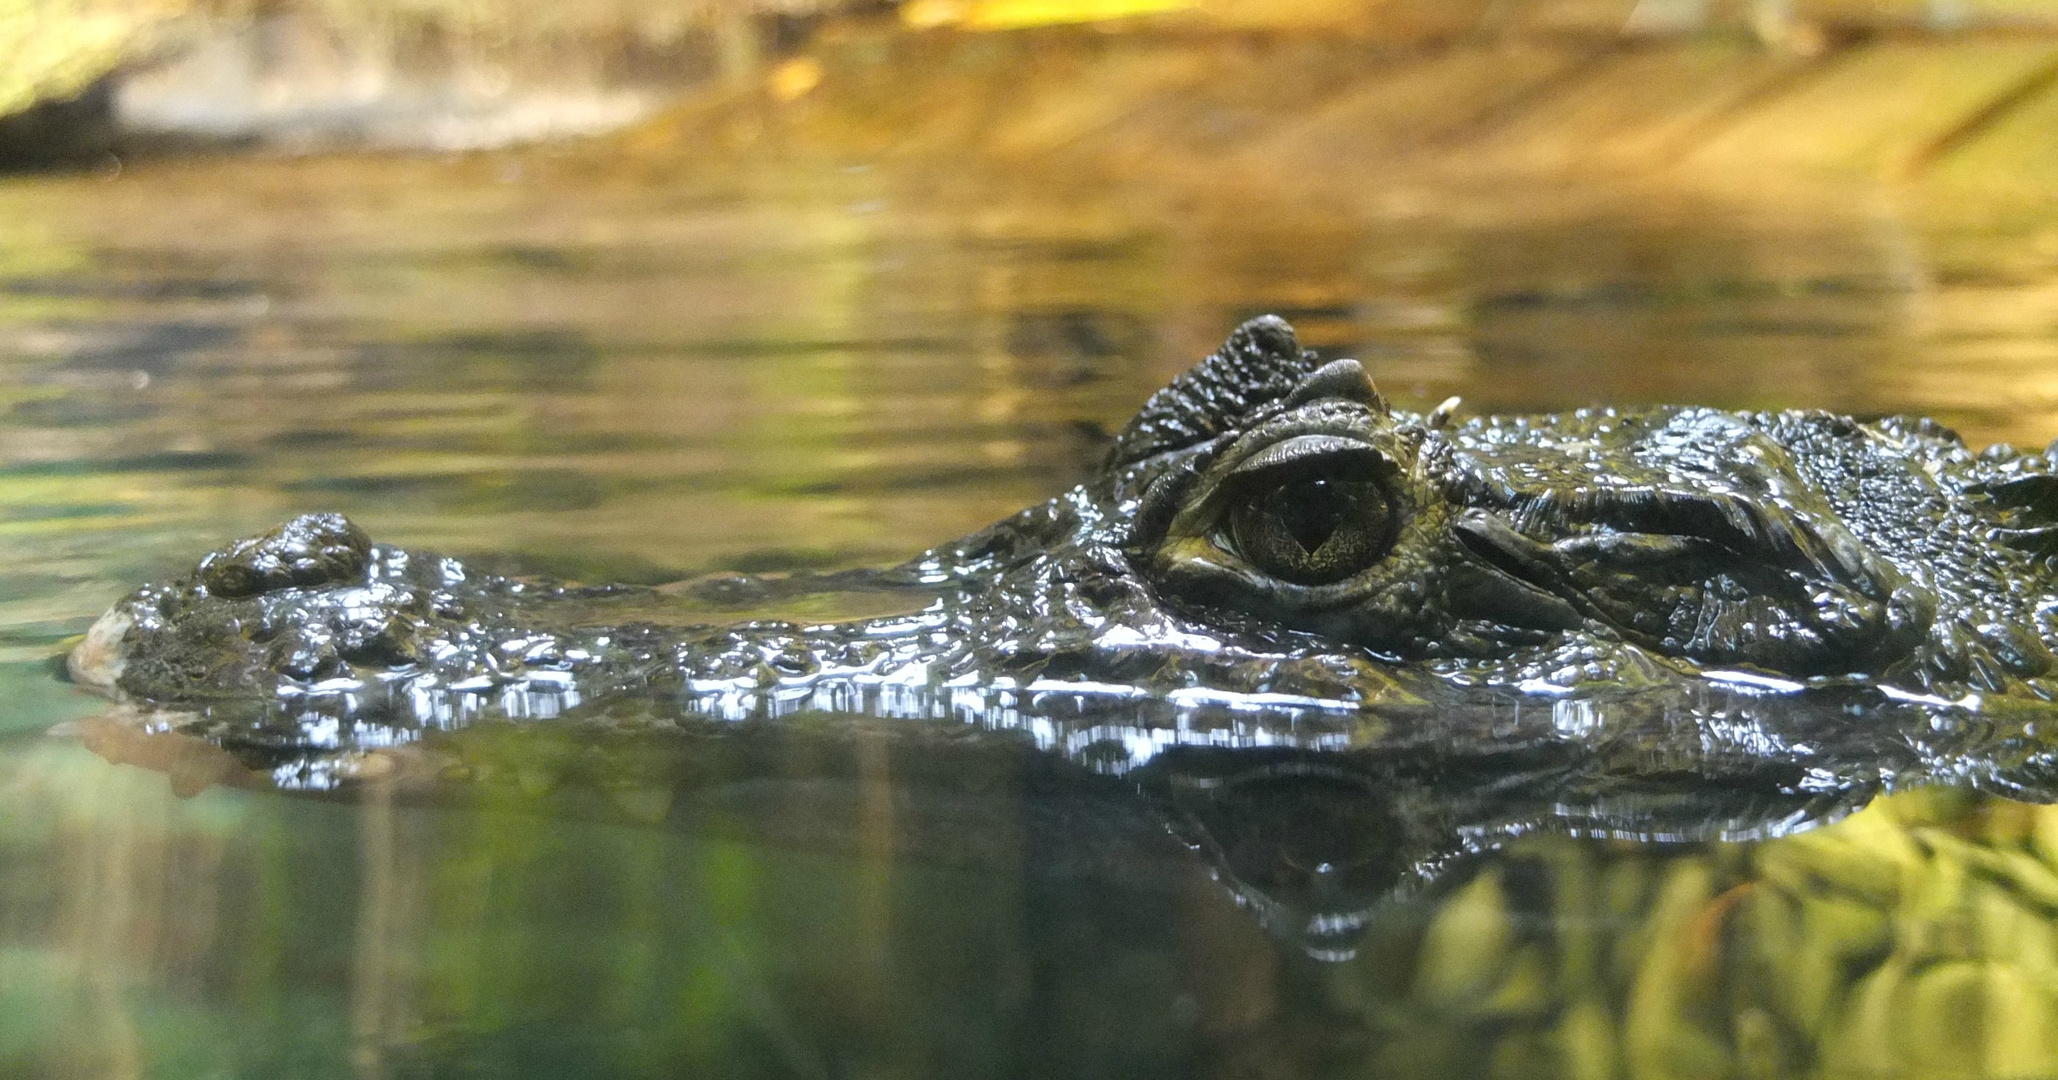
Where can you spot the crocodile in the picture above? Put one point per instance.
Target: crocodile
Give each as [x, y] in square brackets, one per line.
[1671, 622]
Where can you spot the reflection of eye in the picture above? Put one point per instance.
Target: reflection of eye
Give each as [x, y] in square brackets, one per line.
[1314, 527]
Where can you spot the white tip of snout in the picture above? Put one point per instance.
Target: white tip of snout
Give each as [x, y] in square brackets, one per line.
[96, 663]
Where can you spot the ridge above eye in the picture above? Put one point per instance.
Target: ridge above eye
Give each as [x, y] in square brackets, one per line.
[1303, 448]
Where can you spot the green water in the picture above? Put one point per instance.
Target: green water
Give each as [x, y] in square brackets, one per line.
[548, 365]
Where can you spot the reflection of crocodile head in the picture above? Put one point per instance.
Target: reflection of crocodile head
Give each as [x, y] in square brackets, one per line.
[1315, 845]
[1607, 604]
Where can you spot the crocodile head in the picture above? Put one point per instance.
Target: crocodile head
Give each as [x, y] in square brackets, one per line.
[1271, 554]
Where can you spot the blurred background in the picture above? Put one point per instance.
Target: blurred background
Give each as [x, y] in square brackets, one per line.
[642, 289]
[584, 271]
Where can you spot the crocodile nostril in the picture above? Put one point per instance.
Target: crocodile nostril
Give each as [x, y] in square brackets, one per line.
[310, 551]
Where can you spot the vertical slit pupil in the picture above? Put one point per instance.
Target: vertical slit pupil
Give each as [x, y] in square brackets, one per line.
[1312, 510]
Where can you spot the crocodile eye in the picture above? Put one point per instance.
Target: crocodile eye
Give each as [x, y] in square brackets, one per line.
[1312, 526]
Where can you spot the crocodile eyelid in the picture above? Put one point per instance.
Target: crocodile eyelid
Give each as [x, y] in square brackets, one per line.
[1305, 448]
[1344, 380]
